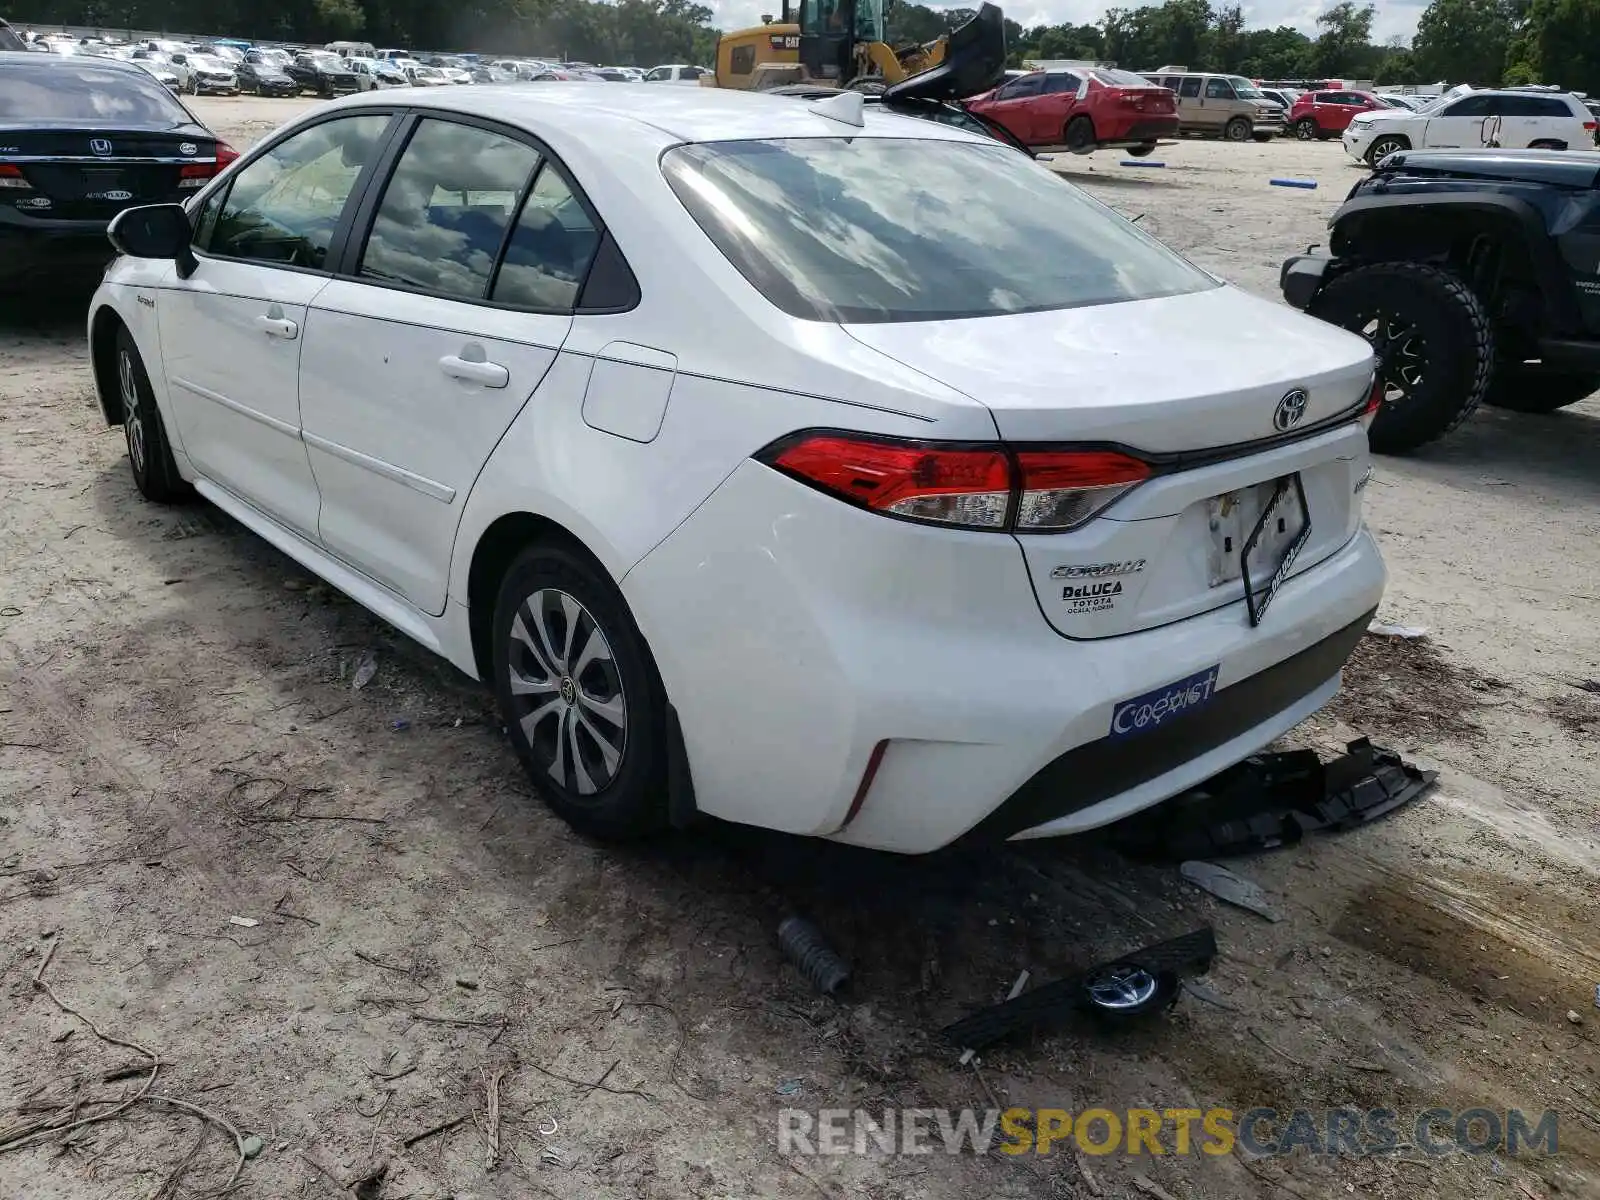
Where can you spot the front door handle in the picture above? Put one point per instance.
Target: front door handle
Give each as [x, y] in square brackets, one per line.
[277, 325]
[472, 365]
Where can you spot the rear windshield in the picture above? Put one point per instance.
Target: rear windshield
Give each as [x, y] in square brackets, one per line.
[1114, 78]
[889, 229]
[78, 89]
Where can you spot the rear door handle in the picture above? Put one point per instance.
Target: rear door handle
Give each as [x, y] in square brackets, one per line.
[278, 327]
[475, 370]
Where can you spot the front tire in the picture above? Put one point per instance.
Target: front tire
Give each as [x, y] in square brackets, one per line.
[1434, 343]
[155, 471]
[1384, 146]
[1079, 135]
[1237, 130]
[580, 696]
[1305, 129]
[1532, 388]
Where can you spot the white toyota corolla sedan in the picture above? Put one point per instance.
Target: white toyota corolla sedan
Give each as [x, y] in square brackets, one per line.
[837, 472]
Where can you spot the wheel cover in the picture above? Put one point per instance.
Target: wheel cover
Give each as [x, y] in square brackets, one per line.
[132, 414]
[1237, 131]
[566, 692]
[1120, 987]
[1401, 351]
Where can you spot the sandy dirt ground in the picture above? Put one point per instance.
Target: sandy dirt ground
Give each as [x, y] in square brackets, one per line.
[181, 744]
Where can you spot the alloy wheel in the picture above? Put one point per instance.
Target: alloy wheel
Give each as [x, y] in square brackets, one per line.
[132, 413]
[567, 692]
[1305, 130]
[1402, 353]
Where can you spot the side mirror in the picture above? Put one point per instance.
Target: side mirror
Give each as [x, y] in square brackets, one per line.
[154, 231]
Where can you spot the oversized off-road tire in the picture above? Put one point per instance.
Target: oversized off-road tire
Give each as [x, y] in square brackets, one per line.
[1527, 387]
[1237, 130]
[1434, 343]
[1384, 145]
[1306, 129]
[155, 472]
[1142, 150]
[579, 694]
[1079, 135]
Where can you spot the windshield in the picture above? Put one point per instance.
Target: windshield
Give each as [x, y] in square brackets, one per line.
[86, 90]
[888, 229]
[328, 62]
[1244, 89]
[1434, 103]
[206, 63]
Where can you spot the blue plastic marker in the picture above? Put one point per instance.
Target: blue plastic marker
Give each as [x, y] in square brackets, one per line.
[1141, 162]
[1299, 183]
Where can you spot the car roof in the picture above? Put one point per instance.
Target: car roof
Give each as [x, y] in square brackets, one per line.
[49, 62]
[589, 110]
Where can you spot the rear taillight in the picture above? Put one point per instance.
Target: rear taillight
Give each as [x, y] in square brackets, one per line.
[1061, 489]
[198, 174]
[11, 177]
[225, 155]
[1369, 414]
[960, 484]
[1591, 126]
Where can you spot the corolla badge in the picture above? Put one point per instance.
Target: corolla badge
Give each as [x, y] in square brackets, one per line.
[1290, 409]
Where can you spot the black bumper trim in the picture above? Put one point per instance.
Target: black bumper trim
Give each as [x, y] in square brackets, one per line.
[1099, 770]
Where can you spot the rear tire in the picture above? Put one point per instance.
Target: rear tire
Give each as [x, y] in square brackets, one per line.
[1532, 388]
[1142, 150]
[1237, 130]
[582, 702]
[1306, 129]
[1384, 146]
[1434, 343]
[155, 471]
[1079, 135]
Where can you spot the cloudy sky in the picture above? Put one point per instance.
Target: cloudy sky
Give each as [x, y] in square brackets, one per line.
[1394, 16]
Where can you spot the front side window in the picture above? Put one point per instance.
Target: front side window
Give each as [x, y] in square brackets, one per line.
[1189, 87]
[1218, 89]
[1469, 106]
[1061, 83]
[890, 229]
[284, 207]
[1244, 89]
[445, 211]
[1018, 89]
[550, 251]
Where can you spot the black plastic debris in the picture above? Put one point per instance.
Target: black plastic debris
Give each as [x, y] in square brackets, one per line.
[1273, 800]
[1135, 985]
[804, 945]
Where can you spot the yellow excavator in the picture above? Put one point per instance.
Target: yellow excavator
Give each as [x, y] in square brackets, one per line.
[840, 43]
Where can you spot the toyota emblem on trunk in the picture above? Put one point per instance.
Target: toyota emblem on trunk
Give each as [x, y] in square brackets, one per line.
[188, 149]
[1290, 409]
[100, 145]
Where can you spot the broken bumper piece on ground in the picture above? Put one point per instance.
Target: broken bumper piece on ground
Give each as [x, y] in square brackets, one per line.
[1272, 800]
[1133, 985]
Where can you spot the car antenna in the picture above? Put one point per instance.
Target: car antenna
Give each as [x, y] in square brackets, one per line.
[847, 107]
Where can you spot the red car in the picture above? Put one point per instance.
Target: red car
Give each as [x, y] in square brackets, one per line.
[1325, 114]
[1082, 109]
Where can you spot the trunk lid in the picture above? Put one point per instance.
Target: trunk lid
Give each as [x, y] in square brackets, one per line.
[1194, 384]
[90, 173]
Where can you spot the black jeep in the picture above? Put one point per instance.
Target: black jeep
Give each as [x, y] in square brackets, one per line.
[1475, 275]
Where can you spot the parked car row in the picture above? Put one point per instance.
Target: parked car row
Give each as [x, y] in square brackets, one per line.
[231, 66]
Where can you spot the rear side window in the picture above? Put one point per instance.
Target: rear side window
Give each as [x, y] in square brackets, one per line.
[886, 229]
[550, 250]
[284, 207]
[1061, 83]
[75, 89]
[446, 210]
[1189, 87]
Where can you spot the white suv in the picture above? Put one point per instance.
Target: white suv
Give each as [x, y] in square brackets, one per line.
[1513, 120]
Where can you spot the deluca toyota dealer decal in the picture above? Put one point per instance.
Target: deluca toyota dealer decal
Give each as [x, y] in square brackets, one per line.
[1147, 712]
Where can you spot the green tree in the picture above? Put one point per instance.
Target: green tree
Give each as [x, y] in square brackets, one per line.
[1464, 41]
[1561, 44]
